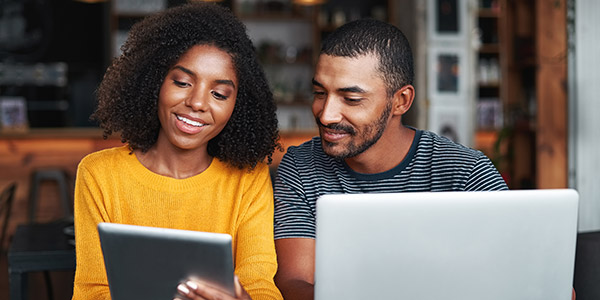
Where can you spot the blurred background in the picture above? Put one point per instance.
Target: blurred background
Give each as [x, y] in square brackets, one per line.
[516, 79]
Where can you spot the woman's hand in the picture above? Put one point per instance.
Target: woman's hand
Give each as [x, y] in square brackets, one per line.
[196, 290]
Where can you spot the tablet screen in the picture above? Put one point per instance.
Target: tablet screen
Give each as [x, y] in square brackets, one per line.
[148, 263]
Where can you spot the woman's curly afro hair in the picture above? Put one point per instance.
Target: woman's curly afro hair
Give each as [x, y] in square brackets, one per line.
[128, 93]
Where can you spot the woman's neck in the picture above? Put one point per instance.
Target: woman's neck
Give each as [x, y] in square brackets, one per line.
[174, 162]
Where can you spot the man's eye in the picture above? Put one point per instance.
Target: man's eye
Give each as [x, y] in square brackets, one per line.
[353, 100]
[318, 94]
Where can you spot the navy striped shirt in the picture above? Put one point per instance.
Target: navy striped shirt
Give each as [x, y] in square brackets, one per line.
[433, 163]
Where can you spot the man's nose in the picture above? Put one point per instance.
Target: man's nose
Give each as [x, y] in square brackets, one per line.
[330, 111]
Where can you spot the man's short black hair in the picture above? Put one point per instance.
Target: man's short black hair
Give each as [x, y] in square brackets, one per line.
[128, 94]
[385, 41]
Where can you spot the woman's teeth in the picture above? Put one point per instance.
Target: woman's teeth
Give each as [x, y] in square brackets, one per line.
[189, 122]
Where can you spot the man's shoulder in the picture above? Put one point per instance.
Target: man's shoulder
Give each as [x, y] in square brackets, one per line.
[308, 160]
[451, 163]
[438, 145]
[307, 146]
[307, 151]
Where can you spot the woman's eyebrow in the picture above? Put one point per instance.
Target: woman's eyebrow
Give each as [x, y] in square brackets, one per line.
[225, 81]
[185, 70]
[191, 73]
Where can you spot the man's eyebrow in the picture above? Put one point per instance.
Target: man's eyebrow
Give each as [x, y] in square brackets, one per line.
[314, 82]
[350, 89]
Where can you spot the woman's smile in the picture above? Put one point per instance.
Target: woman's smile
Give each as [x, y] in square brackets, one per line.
[189, 125]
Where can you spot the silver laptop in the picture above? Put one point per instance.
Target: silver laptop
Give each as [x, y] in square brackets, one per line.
[148, 262]
[451, 245]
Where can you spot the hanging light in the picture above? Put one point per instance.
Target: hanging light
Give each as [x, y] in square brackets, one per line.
[309, 2]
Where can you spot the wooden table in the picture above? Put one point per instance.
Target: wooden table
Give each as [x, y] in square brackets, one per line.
[38, 247]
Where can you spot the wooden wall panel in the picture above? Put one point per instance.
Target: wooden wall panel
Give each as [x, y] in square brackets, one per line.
[551, 91]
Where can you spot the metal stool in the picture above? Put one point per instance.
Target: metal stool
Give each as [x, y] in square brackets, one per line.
[6, 200]
[60, 178]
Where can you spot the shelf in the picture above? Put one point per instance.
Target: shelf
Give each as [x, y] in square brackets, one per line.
[487, 13]
[328, 28]
[57, 133]
[489, 49]
[273, 16]
[489, 85]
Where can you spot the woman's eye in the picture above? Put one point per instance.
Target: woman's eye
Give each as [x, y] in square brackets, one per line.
[218, 96]
[181, 83]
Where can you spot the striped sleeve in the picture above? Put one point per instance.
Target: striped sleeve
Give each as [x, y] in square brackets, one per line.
[485, 177]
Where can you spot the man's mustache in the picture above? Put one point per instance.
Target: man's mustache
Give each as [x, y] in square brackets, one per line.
[337, 127]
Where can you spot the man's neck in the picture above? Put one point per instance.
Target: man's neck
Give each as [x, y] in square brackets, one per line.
[387, 153]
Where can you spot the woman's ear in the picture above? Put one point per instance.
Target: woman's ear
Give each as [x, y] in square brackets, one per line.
[403, 99]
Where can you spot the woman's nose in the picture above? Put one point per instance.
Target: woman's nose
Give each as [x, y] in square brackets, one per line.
[198, 99]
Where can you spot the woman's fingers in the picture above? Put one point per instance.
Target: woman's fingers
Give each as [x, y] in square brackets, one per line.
[195, 290]
[239, 291]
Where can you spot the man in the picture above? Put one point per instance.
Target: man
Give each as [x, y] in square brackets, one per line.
[362, 87]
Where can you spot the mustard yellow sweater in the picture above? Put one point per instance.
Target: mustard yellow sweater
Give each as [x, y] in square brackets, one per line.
[113, 186]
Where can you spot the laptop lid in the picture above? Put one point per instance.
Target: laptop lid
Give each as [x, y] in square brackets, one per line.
[448, 245]
[148, 262]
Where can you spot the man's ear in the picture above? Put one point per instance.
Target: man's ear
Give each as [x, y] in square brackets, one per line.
[403, 99]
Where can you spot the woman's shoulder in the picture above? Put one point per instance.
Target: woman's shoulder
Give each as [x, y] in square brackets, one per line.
[220, 166]
[223, 172]
[106, 156]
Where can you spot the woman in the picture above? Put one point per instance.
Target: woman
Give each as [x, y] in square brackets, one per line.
[194, 109]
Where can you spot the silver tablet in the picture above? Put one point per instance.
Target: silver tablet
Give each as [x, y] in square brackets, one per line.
[148, 263]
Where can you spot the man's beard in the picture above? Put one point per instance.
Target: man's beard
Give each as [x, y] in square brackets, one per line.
[370, 134]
